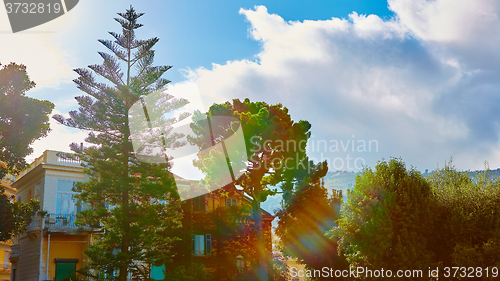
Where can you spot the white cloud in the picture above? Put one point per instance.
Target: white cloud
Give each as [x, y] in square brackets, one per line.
[58, 139]
[424, 84]
[46, 63]
[410, 83]
[468, 29]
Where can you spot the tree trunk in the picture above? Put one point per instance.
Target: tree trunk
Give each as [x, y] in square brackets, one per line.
[125, 205]
[125, 242]
[262, 266]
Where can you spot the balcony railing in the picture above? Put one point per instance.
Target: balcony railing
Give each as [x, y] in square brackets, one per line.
[35, 224]
[53, 221]
[61, 221]
[4, 266]
[14, 250]
[51, 157]
[64, 159]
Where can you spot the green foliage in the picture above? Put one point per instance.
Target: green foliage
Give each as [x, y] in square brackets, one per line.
[135, 203]
[467, 212]
[306, 218]
[394, 219]
[15, 217]
[232, 236]
[387, 219]
[280, 271]
[22, 119]
[181, 273]
[267, 130]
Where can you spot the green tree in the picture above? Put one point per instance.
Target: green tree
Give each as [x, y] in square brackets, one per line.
[305, 219]
[136, 203]
[467, 212]
[22, 119]
[387, 219]
[14, 216]
[274, 145]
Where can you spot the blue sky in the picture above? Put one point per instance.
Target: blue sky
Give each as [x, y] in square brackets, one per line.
[415, 78]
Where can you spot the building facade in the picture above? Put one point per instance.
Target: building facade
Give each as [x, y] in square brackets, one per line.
[52, 247]
[216, 233]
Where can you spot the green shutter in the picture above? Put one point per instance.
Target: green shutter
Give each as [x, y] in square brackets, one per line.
[208, 244]
[65, 270]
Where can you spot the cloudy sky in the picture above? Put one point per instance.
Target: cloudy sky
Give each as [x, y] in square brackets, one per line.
[414, 79]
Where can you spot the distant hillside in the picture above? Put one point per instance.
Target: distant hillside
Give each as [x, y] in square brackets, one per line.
[342, 180]
[339, 180]
[493, 173]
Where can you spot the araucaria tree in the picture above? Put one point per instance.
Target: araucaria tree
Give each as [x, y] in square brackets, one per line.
[135, 203]
[275, 144]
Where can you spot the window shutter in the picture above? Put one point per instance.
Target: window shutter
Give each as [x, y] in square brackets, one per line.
[200, 203]
[208, 244]
[193, 245]
[231, 202]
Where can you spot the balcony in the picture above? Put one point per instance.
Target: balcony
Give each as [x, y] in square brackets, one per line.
[64, 223]
[55, 223]
[52, 157]
[14, 253]
[4, 266]
[34, 227]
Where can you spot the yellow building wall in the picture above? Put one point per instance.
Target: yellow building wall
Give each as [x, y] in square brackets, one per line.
[4, 273]
[214, 201]
[65, 247]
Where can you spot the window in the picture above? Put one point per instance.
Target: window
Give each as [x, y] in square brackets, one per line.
[38, 190]
[65, 200]
[199, 204]
[231, 202]
[65, 268]
[240, 263]
[6, 256]
[157, 272]
[202, 245]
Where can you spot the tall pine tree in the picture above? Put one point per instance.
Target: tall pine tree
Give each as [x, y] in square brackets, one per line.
[136, 203]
